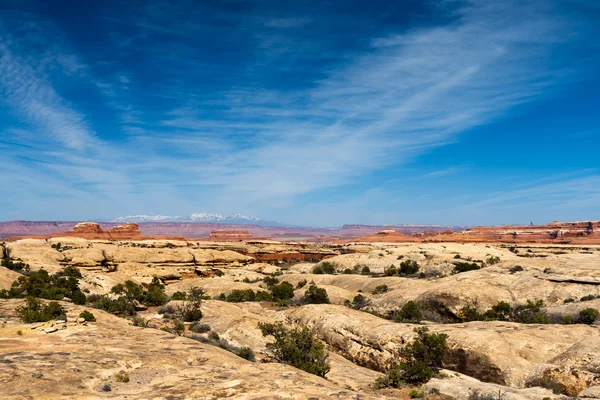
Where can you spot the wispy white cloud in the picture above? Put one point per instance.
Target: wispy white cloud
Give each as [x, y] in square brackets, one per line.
[256, 146]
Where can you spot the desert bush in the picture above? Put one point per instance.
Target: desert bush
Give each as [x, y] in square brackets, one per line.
[325, 267]
[14, 265]
[502, 311]
[589, 297]
[588, 316]
[380, 289]
[359, 301]
[365, 270]
[155, 294]
[416, 394]
[36, 311]
[270, 280]
[177, 327]
[457, 257]
[140, 321]
[282, 292]
[390, 271]
[179, 295]
[241, 295]
[470, 313]
[477, 395]
[531, 313]
[46, 286]
[246, 353]
[569, 300]
[189, 309]
[87, 316]
[492, 260]
[122, 376]
[248, 280]
[515, 269]
[315, 295]
[301, 284]
[408, 267]
[118, 306]
[297, 347]
[168, 310]
[197, 327]
[422, 359]
[409, 313]
[464, 267]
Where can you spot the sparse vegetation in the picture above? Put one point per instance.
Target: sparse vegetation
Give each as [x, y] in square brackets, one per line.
[380, 289]
[492, 260]
[515, 269]
[409, 313]
[297, 347]
[122, 376]
[588, 316]
[408, 267]
[87, 316]
[315, 295]
[301, 284]
[464, 267]
[36, 311]
[422, 359]
[41, 284]
[325, 267]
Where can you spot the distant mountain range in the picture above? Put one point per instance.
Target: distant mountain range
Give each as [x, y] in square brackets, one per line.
[206, 218]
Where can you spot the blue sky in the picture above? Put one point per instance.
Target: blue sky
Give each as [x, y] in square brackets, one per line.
[306, 112]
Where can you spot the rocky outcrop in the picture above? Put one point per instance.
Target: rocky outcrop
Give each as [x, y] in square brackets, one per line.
[93, 231]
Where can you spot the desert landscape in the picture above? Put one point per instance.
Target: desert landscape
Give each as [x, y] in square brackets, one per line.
[485, 313]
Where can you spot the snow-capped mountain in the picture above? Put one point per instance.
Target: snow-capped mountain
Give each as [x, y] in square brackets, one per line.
[200, 218]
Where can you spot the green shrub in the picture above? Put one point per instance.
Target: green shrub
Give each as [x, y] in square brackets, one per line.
[52, 287]
[421, 360]
[282, 292]
[325, 267]
[140, 321]
[270, 281]
[245, 352]
[531, 313]
[408, 267]
[17, 266]
[500, 312]
[359, 301]
[155, 294]
[380, 289]
[515, 269]
[197, 327]
[390, 271]
[365, 270]
[118, 306]
[297, 347]
[416, 394]
[470, 313]
[464, 267]
[87, 316]
[122, 376]
[315, 295]
[589, 297]
[189, 309]
[36, 311]
[301, 284]
[492, 260]
[409, 313]
[588, 316]
[179, 296]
